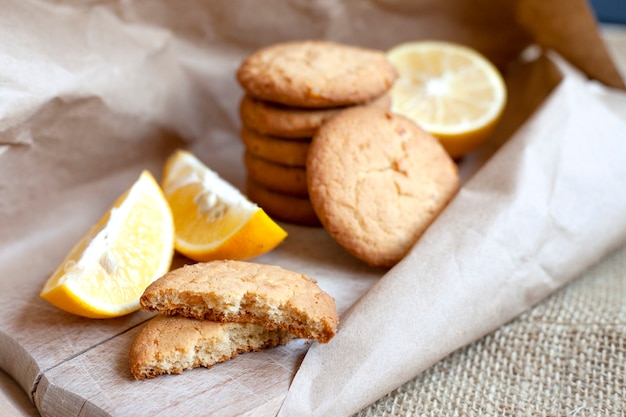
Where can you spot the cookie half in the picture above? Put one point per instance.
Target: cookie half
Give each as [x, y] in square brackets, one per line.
[172, 344]
[377, 181]
[246, 292]
[316, 74]
[291, 122]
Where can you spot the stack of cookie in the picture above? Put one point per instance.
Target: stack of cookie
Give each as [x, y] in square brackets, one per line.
[291, 90]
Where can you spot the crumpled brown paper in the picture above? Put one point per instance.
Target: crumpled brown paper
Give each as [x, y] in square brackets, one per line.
[93, 92]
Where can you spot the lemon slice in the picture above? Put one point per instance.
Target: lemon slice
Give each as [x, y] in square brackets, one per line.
[451, 91]
[213, 220]
[109, 268]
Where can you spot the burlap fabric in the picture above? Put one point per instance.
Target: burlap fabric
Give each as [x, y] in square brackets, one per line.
[564, 357]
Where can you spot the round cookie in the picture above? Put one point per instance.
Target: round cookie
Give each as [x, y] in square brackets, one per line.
[283, 207]
[377, 181]
[315, 74]
[291, 122]
[280, 151]
[282, 178]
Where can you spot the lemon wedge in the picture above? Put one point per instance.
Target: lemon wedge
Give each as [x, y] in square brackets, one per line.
[109, 268]
[213, 219]
[450, 90]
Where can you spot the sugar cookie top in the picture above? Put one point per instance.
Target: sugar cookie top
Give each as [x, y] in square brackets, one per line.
[316, 74]
[240, 291]
[376, 181]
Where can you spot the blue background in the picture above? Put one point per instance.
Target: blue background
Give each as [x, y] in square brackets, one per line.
[609, 11]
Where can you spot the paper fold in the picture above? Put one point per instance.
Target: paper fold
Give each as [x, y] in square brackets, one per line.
[547, 206]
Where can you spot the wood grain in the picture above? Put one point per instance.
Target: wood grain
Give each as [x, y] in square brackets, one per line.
[99, 381]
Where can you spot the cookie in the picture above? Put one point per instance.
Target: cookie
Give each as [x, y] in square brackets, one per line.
[246, 292]
[291, 122]
[316, 74]
[273, 149]
[282, 178]
[377, 181]
[283, 207]
[172, 344]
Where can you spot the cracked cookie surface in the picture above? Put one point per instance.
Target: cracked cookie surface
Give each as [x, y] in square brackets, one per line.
[316, 74]
[246, 292]
[377, 181]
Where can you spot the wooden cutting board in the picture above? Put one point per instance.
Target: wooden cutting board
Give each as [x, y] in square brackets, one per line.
[75, 366]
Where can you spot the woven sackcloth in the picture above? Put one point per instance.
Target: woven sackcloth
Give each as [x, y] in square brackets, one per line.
[564, 357]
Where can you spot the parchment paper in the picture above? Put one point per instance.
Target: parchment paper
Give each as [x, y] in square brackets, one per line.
[503, 244]
[95, 91]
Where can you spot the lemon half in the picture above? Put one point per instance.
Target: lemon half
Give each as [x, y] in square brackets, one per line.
[450, 90]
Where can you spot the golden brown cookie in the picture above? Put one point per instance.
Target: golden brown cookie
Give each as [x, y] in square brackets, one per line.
[291, 122]
[282, 178]
[283, 207]
[274, 149]
[246, 292]
[172, 344]
[377, 181]
[316, 74]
